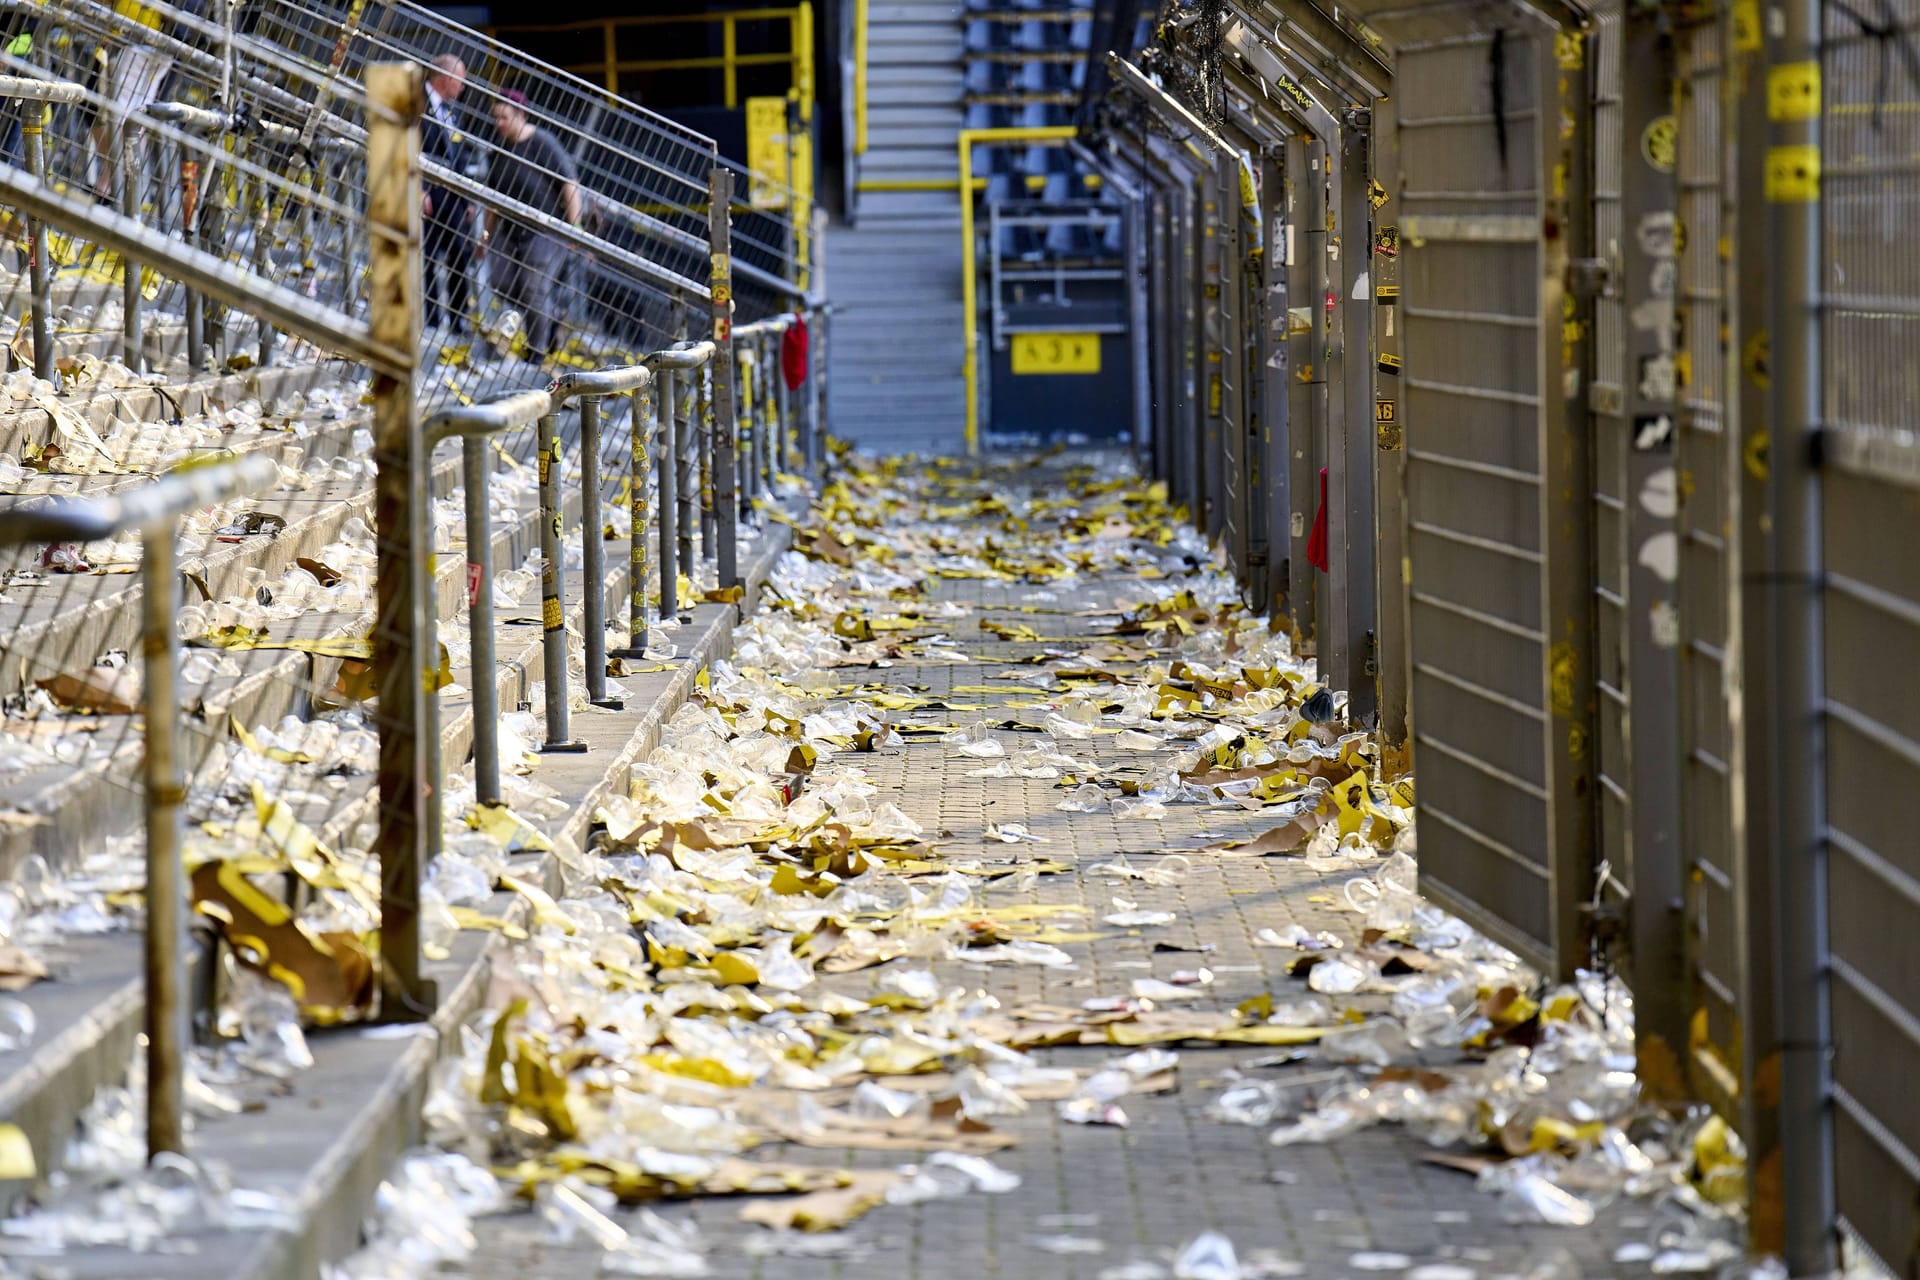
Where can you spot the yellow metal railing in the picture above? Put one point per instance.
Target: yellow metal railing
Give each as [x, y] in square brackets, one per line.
[1049, 135]
[797, 57]
[860, 77]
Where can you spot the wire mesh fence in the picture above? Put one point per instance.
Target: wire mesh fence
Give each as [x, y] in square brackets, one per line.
[644, 177]
[550, 241]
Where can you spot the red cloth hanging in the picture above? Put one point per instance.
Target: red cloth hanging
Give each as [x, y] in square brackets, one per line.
[793, 353]
[1317, 540]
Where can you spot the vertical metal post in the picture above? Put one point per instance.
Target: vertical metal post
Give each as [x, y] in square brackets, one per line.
[1348, 637]
[639, 530]
[1160, 263]
[794, 231]
[815, 392]
[1561, 86]
[1133, 237]
[1271, 352]
[262, 256]
[1231, 371]
[769, 412]
[1358, 552]
[1309, 192]
[1649, 201]
[726, 501]
[406, 656]
[781, 458]
[593, 555]
[1752, 723]
[476, 476]
[1797, 770]
[667, 401]
[1210, 517]
[553, 592]
[133, 153]
[34, 117]
[166, 1011]
[188, 174]
[1182, 450]
[763, 424]
[1391, 650]
[703, 433]
[687, 462]
[751, 423]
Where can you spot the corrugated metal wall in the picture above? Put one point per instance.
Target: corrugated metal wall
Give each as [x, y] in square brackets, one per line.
[1870, 184]
[1482, 372]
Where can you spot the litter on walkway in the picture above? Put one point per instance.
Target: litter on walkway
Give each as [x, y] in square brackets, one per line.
[805, 931]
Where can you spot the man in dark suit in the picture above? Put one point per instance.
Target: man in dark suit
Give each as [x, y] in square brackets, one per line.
[449, 217]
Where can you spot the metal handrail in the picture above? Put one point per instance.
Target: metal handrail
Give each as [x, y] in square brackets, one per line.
[679, 478]
[33, 148]
[649, 382]
[472, 424]
[589, 388]
[154, 510]
[27, 88]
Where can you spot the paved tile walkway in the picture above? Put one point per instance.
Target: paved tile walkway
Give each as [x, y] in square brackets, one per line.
[1093, 1197]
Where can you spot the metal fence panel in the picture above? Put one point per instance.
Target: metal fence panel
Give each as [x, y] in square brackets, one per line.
[1229, 375]
[1306, 214]
[1495, 648]
[1870, 328]
[1705, 446]
[1390, 588]
[1607, 402]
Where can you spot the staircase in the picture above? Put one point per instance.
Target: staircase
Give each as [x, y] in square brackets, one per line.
[898, 330]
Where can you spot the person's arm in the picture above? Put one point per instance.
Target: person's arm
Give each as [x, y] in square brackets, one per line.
[570, 193]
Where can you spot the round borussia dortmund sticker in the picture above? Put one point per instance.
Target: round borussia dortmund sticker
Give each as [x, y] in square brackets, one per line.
[1657, 142]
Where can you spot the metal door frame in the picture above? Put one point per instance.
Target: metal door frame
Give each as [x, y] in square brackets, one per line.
[1347, 651]
[1560, 852]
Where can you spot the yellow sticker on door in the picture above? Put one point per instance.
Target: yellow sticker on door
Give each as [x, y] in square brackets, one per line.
[1056, 353]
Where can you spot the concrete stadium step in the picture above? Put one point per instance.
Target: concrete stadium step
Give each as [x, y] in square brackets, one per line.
[105, 407]
[89, 1011]
[75, 619]
[326, 1143]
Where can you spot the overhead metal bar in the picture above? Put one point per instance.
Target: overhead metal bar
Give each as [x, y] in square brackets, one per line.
[1347, 62]
[1265, 62]
[1171, 111]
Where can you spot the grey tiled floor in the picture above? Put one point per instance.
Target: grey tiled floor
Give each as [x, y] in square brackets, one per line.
[1141, 1191]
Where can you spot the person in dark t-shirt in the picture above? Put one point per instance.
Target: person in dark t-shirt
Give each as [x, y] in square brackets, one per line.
[530, 167]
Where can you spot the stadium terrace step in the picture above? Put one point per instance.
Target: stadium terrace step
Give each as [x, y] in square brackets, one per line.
[324, 1142]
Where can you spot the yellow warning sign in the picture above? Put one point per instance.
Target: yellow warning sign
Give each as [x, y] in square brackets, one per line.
[1056, 353]
[767, 152]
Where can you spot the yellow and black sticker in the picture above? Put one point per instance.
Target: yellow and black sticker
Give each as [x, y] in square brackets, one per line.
[1056, 353]
[1793, 174]
[1386, 411]
[1659, 142]
[1387, 294]
[1756, 358]
[1793, 91]
[1386, 241]
[1389, 364]
[1376, 194]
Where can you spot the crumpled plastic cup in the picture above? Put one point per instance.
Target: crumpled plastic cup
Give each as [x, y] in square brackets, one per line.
[1208, 1256]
